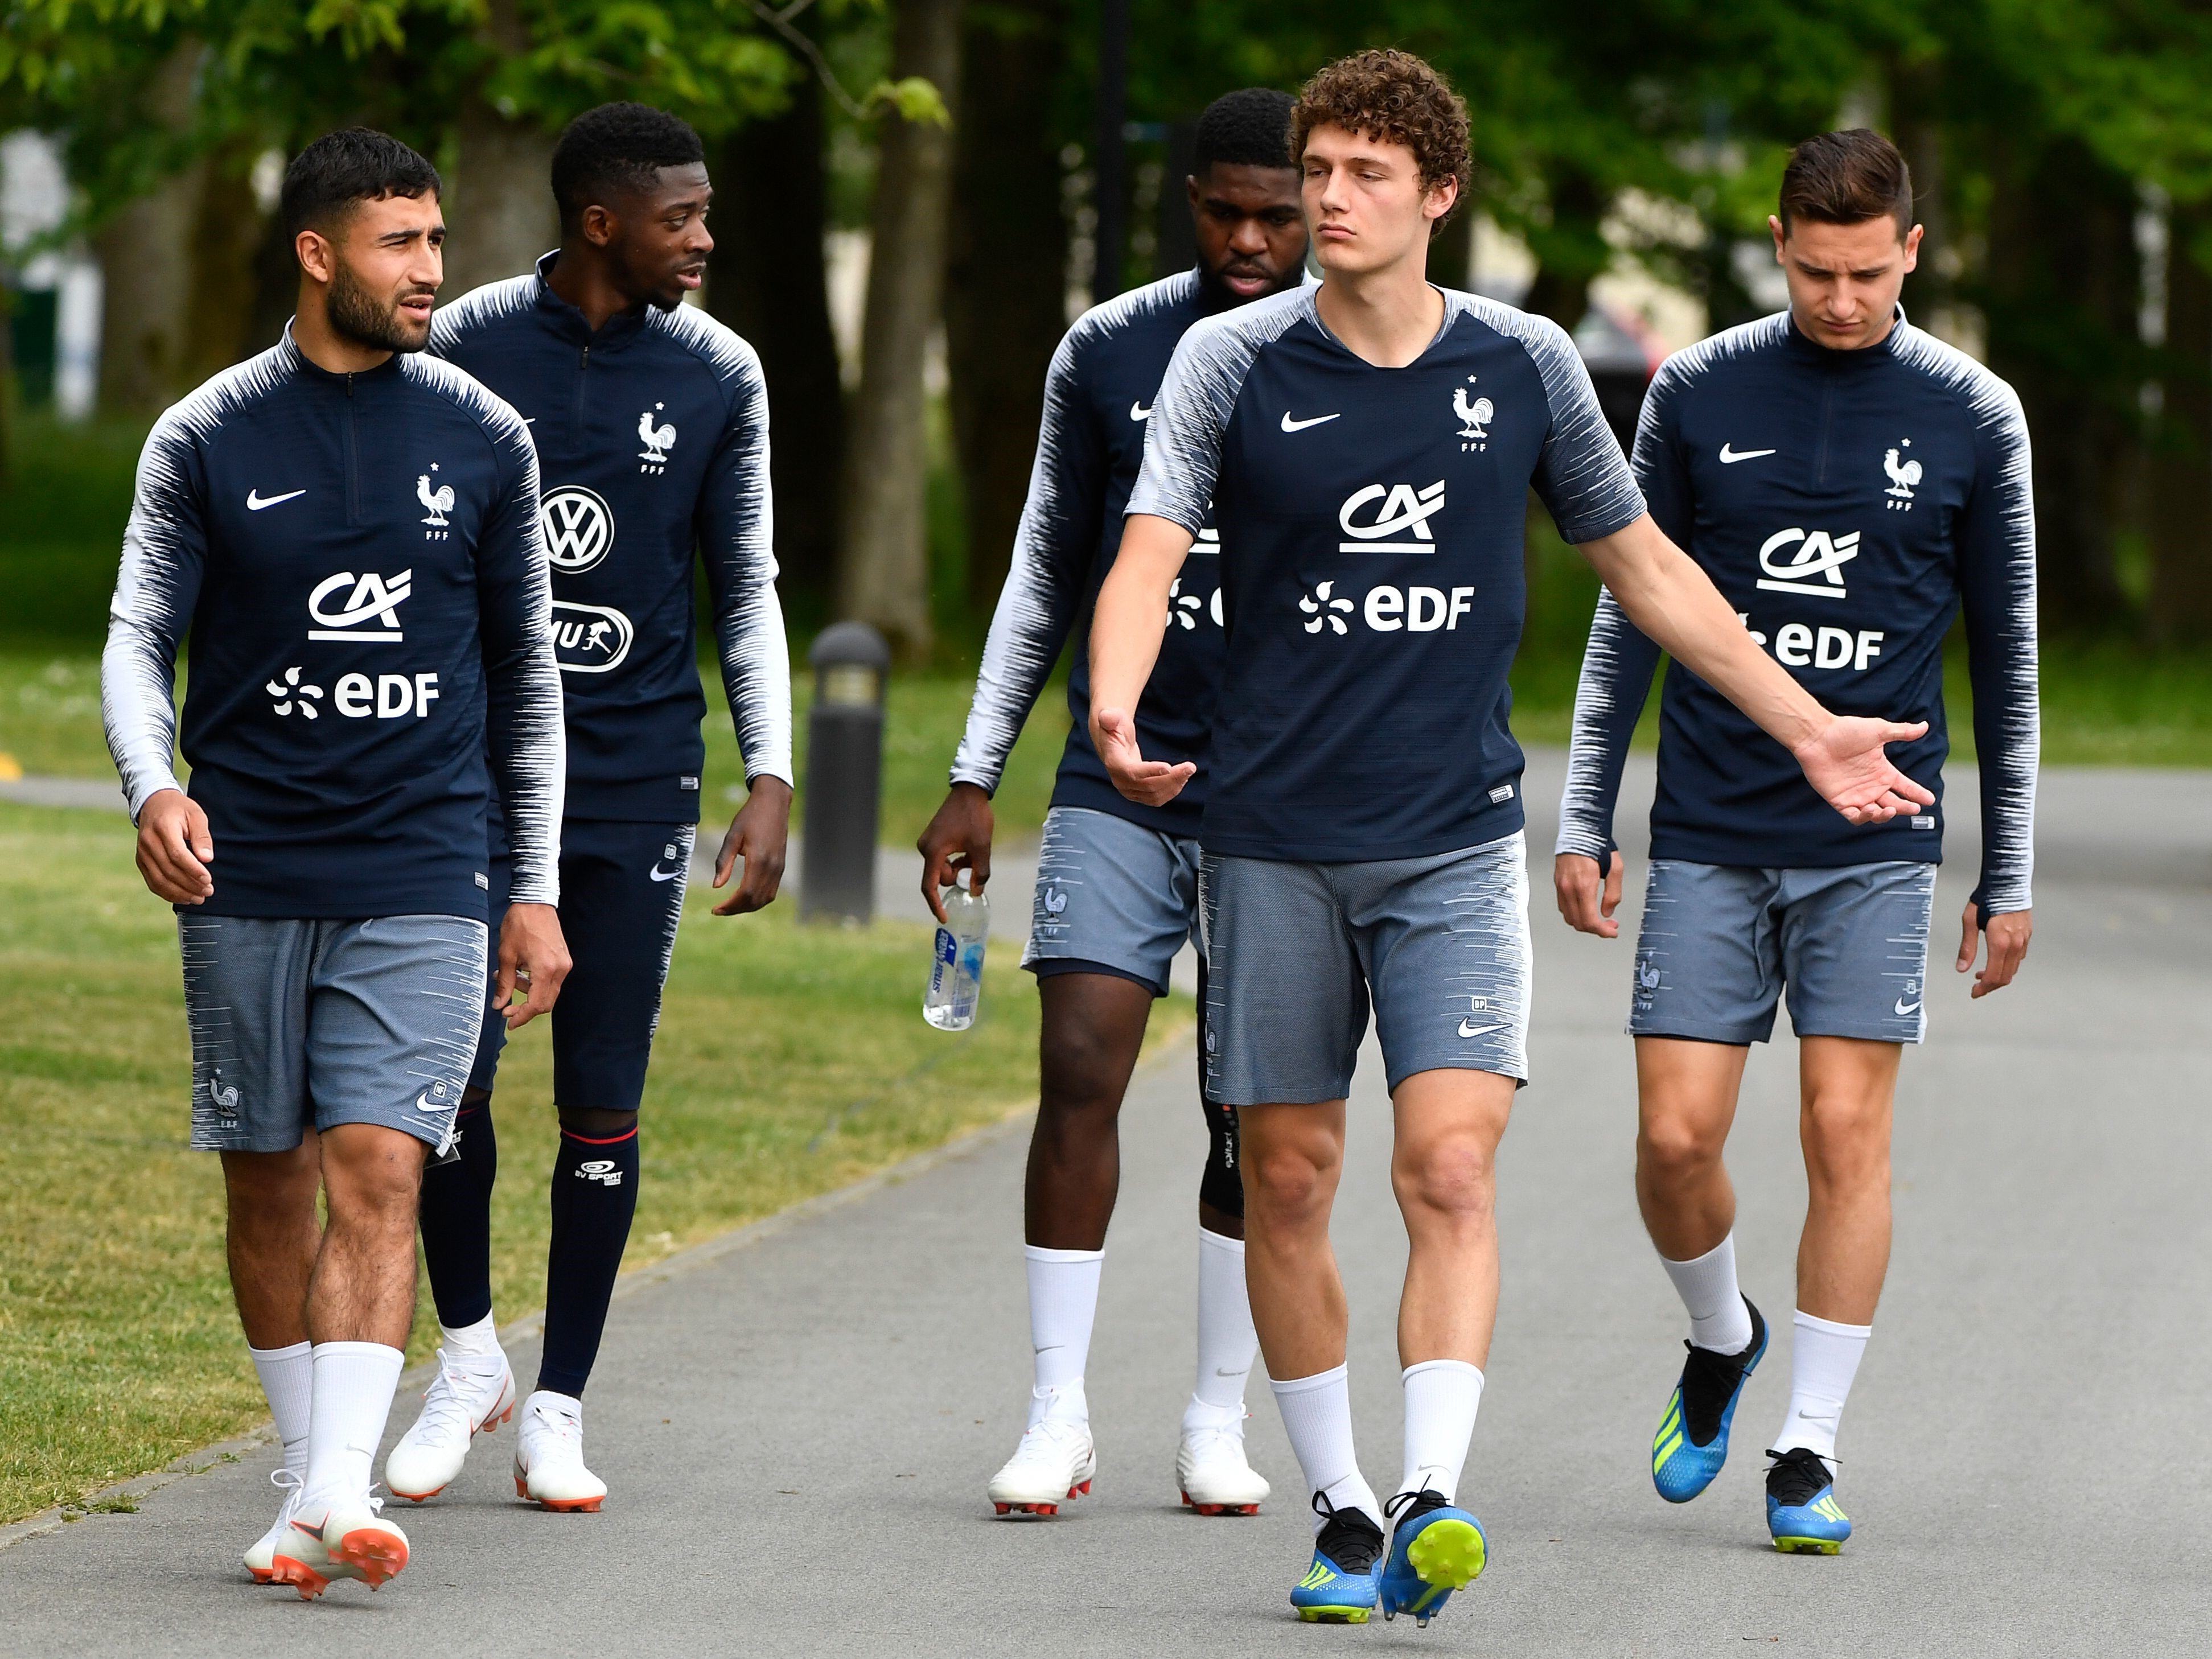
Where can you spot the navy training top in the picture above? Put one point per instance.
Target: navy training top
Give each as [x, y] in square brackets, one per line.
[1091, 443]
[1372, 522]
[357, 559]
[1847, 504]
[652, 441]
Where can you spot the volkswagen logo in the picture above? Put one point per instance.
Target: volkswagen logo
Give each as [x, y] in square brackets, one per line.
[578, 528]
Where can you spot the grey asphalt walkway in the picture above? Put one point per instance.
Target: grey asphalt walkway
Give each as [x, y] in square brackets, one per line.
[798, 1433]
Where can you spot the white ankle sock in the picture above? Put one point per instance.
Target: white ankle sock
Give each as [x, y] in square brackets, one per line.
[1227, 1343]
[1317, 1415]
[1718, 1320]
[288, 1377]
[353, 1388]
[477, 1341]
[1063, 1302]
[1441, 1396]
[1824, 1358]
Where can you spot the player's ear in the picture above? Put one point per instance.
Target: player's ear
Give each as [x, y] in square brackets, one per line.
[316, 256]
[600, 225]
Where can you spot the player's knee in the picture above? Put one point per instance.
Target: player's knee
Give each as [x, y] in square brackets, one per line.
[1288, 1184]
[1847, 1150]
[596, 1124]
[1456, 1178]
[1677, 1148]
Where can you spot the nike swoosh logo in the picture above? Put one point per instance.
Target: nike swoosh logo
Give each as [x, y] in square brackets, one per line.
[1138, 412]
[1467, 1028]
[1730, 456]
[659, 874]
[424, 1103]
[1903, 1009]
[1290, 425]
[255, 501]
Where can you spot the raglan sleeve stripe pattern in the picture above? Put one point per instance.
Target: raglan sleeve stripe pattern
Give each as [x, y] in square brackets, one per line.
[1996, 583]
[1619, 659]
[1582, 476]
[1052, 548]
[738, 542]
[156, 588]
[1183, 437]
[528, 743]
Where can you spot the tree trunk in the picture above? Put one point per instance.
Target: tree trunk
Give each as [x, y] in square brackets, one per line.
[226, 242]
[499, 203]
[1571, 253]
[883, 572]
[145, 311]
[2060, 293]
[774, 290]
[2181, 471]
[1004, 310]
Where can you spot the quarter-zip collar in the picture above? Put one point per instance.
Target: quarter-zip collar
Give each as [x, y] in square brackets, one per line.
[568, 322]
[310, 370]
[1832, 360]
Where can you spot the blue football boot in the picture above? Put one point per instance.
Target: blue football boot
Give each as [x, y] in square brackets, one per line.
[1436, 1548]
[1802, 1511]
[1693, 1440]
[1339, 1588]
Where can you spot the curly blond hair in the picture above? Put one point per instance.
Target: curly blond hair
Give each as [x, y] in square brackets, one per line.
[1394, 98]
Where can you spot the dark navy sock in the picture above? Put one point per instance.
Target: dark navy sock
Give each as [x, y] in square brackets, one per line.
[456, 1216]
[594, 1197]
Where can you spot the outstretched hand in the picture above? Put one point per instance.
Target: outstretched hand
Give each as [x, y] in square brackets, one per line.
[1585, 901]
[1149, 783]
[958, 838]
[1847, 763]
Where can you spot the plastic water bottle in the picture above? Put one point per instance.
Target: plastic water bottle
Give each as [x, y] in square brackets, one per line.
[956, 962]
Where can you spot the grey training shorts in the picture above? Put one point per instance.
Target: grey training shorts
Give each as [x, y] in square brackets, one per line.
[1720, 943]
[1112, 897]
[1295, 951]
[301, 1024]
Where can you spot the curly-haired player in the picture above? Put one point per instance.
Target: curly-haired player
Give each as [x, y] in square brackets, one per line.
[1366, 447]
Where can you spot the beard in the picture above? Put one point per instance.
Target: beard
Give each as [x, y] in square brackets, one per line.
[360, 317]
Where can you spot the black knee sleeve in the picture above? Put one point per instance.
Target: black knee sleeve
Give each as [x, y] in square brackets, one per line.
[1222, 1186]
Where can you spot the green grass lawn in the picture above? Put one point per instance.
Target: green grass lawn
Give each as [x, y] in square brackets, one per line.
[790, 1061]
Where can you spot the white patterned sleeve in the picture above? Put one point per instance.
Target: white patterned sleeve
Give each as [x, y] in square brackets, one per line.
[1996, 589]
[527, 744]
[156, 588]
[1053, 547]
[736, 541]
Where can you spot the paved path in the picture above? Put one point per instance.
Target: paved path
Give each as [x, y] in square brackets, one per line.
[798, 1433]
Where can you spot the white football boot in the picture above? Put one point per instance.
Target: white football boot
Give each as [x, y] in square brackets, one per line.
[1211, 1470]
[261, 1559]
[354, 1541]
[1054, 1462]
[549, 1455]
[466, 1398]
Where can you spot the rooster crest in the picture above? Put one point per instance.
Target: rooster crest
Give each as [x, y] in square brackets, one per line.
[656, 439]
[439, 501]
[1474, 417]
[1902, 476]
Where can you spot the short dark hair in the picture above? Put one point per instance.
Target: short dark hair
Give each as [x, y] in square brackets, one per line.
[1847, 178]
[343, 169]
[1250, 127]
[1393, 98]
[618, 147]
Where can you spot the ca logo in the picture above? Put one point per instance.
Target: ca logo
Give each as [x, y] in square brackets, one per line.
[1404, 511]
[1818, 555]
[578, 526]
[371, 599]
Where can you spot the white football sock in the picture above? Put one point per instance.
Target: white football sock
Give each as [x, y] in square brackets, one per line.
[353, 1388]
[1227, 1343]
[1317, 1416]
[1718, 1320]
[1824, 1358]
[1441, 1396]
[477, 1341]
[1063, 1302]
[288, 1377]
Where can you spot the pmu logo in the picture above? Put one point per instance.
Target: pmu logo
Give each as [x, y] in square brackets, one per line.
[579, 528]
[1405, 511]
[368, 598]
[1814, 567]
[590, 639]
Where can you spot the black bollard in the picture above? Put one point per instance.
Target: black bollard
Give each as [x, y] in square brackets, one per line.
[844, 773]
